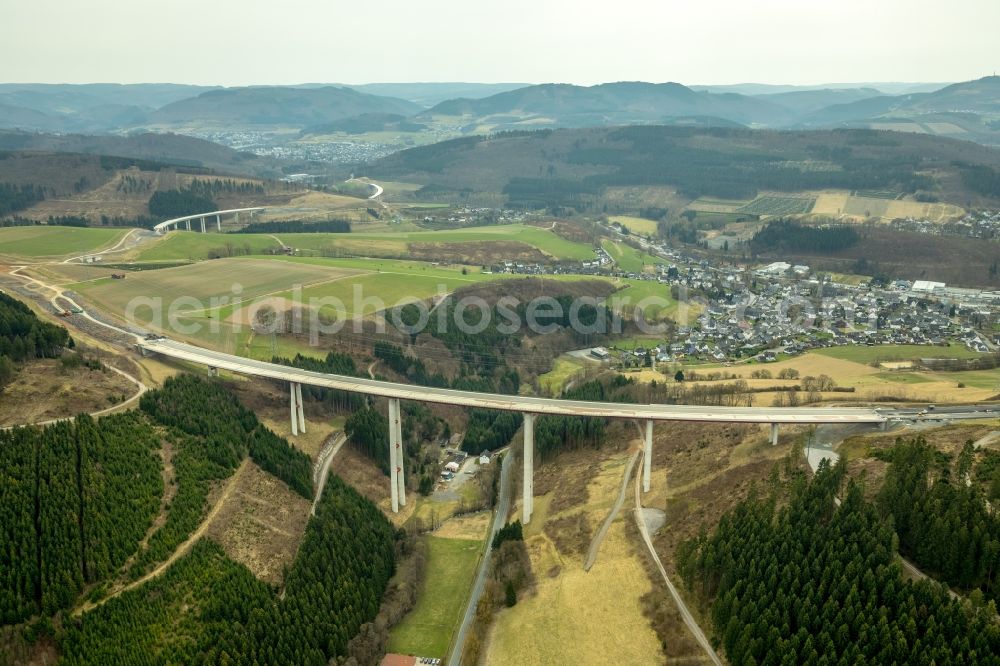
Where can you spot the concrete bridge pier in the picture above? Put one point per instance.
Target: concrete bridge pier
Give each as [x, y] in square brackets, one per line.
[647, 456]
[202, 225]
[188, 222]
[393, 461]
[299, 408]
[218, 223]
[774, 434]
[400, 456]
[528, 487]
[237, 217]
[294, 407]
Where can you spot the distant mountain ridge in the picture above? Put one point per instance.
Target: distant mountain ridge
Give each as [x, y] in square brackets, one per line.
[611, 104]
[968, 110]
[166, 148]
[273, 106]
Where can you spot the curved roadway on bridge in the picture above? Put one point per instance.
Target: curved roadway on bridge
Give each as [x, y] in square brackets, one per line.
[515, 403]
[166, 224]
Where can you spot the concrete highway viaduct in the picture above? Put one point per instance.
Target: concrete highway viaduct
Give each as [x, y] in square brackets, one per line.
[530, 407]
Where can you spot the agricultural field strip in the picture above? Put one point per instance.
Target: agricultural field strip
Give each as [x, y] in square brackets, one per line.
[277, 292]
[774, 205]
[203, 281]
[181, 245]
[43, 242]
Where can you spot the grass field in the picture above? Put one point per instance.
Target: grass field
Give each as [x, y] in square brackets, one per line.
[207, 280]
[837, 203]
[427, 630]
[184, 245]
[864, 354]
[192, 246]
[655, 300]
[563, 370]
[46, 242]
[637, 225]
[574, 616]
[707, 205]
[869, 383]
[628, 258]
[904, 377]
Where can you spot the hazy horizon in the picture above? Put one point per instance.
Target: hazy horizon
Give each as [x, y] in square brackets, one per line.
[776, 42]
[293, 84]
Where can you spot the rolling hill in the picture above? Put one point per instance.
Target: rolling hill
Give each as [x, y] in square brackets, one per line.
[92, 107]
[968, 110]
[565, 105]
[275, 107]
[427, 94]
[174, 149]
[574, 166]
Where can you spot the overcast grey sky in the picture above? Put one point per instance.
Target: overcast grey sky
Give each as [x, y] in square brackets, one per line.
[238, 42]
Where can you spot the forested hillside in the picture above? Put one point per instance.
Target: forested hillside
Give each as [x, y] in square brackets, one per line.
[178, 203]
[75, 499]
[18, 197]
[23, 337]
[813, 582]
[78, 497]
[944, 525]
[786, 235]
[207, 609]
[573, 167]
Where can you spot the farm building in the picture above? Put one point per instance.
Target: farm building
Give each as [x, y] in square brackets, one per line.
[927, 285]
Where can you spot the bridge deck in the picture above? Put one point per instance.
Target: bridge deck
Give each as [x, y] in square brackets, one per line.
[655, 412]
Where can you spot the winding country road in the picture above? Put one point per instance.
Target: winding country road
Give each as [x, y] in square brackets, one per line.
[141, 388]
[499, 519]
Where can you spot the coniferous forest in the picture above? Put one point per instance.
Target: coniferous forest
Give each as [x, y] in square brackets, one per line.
[812, 582]
[78, 497]
[75, 499]
[207, 609]
[24, 336]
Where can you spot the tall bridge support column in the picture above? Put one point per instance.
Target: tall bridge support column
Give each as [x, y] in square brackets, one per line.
[528, 487]
[293, 408]
[774, 434]
[647, 456]
[218, 222]
[202, 225]
[237, 217]
[393, 463]
[400, 456]
[188, 224]
[299, 408]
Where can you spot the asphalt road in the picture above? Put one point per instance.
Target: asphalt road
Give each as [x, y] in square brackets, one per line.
[796, 415]
[163, 226]
[499, 518]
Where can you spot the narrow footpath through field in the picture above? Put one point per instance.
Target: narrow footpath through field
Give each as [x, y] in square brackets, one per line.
[595, 544]
[689, 620]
